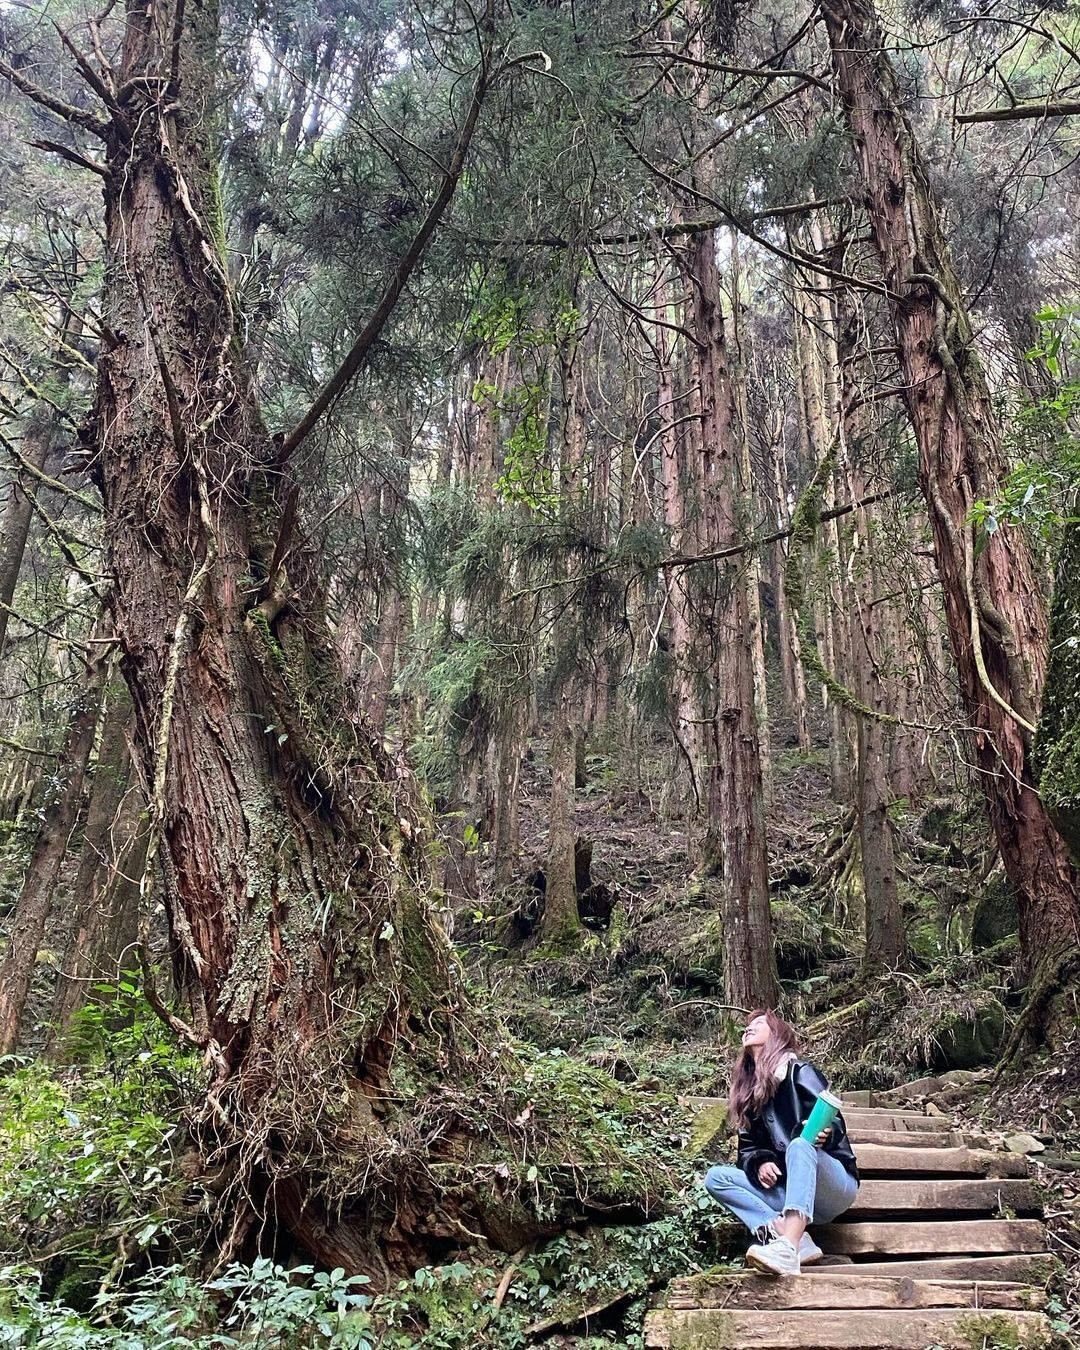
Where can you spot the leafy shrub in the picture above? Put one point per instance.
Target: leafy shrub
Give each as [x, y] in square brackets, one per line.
[87, 1152]
[264, 1305]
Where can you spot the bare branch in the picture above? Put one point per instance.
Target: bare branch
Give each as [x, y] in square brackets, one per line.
[72, 156]
[1021, 111]
[88, 121]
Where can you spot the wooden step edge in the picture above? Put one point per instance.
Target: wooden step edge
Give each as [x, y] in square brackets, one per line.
[850, 1290]
[845, 1329]
[1031, 1268]
[884, 1159]
[957, 1237]
[950, 1196]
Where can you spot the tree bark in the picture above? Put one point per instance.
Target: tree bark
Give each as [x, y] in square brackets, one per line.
[561, 923]
[791, 662]
[734, 845]
[104, 921]
[753, 558]
[60, 812]
[292, 848]
[995, 608]
[37, 443]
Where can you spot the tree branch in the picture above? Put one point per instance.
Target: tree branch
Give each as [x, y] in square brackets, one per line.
[1019, 111]
[72, 156]
[337, 383]
[669, 231]
[67, 111]
[716, 555]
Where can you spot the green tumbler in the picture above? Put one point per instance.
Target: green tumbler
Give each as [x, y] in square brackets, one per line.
[821, 1117]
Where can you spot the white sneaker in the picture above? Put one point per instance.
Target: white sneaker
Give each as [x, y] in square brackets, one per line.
[778, 1257]
[809, 1252]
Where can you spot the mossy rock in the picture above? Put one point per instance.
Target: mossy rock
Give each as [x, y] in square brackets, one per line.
[970, 1042]
[708, 1130]
[803, 940]
[995, 916]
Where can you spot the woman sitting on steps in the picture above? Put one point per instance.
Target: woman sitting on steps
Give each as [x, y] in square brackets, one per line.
[782, 1182]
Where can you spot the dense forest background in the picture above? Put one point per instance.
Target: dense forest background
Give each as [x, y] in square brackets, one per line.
[529, 530]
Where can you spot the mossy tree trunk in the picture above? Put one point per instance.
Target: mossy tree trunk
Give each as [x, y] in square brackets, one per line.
[359, 1094]
[995, 610]
[1057, 745]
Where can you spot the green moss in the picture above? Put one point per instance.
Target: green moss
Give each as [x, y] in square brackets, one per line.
[714, 1332]
[261, 625]
[618, 928]
[1000, 1332]
[709, 1125]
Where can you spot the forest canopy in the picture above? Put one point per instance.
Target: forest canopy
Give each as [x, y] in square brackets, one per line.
[529, 531]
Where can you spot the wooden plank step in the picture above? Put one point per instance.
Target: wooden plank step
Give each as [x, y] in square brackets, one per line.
[859, 1134]
[957, 1237]
[897, 1112]
[1032, 1267]
[885, 1159]
[894, 1120]
[847, 1290]
[982, 1196]
[878, 1117]
[856, 1329]
[857, 1097]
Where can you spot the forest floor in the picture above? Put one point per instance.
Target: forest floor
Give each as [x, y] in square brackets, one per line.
[641, 998]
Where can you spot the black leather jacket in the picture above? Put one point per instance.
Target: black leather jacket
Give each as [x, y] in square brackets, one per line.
[768, 1134]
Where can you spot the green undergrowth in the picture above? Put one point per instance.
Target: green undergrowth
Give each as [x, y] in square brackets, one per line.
[900, 1025]
[106, 1212]
[599, 1277]
[89, 1151]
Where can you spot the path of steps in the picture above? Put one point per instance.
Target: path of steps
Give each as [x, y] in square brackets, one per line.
[945, 1247]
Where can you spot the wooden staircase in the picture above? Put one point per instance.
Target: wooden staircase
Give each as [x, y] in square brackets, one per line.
[944, 1247]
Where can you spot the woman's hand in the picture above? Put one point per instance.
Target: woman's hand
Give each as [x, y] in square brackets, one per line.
[768, 1174]
[823, 1138]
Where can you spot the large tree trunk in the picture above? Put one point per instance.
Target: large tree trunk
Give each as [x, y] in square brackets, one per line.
[351, 1079]
[995, 608]
[59, 814]
[733, 847]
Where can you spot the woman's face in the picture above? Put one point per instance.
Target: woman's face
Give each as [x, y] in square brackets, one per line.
[757, 1034]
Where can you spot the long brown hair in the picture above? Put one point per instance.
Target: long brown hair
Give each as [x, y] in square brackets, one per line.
[753, 1080]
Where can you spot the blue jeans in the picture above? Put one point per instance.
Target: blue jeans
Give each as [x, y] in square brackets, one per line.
[817, 1187]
